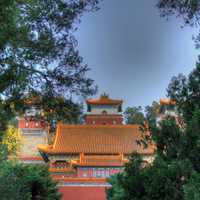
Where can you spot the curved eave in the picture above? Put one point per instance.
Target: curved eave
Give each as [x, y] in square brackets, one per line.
[167, 102]
[45, 148]
[54, 152]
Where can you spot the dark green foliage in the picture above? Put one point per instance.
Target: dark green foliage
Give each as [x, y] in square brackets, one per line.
[39, 60]
[38, 57]
[117, 191]
[191, 145]
[189, 10]
[25, 182]
[152, 112]
[192, 188]
[134, 115]
[186, 92]
[133, 187]
[172, 172]
[3, 152]
[130, 184]
[165, 179]
[161, 181]
[168, 138]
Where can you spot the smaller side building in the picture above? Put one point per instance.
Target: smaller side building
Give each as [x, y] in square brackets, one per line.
[168, 108]
[34, 132]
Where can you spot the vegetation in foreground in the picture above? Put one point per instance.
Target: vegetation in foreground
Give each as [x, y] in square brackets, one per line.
[26, 182]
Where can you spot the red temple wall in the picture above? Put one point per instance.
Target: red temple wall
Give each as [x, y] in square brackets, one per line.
[83, 193]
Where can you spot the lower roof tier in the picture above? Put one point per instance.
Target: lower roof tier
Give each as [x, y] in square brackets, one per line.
[96, 139]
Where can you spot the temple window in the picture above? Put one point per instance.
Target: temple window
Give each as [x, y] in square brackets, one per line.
[119, 108]
[114, 122]
[93, 122]
[36, 124]
[89, 108]
[60, 164]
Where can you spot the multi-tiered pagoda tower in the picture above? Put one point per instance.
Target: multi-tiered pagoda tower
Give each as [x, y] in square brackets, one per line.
[104, 111]
[34, 132]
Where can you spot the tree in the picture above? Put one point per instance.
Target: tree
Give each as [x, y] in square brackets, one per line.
[38, 56]
[190, 147]
[128, 188]
[189, 10]
[152, 111]
[12, 140]
[134, 115]
[26, 182]
[174, 171]
[38, 60]
[186, 92]
[161, 180]
[116, 192]
[192, 188]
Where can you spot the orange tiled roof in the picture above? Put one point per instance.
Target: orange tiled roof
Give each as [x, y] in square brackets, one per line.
[104, 100]
[167, 102]
[96, 139]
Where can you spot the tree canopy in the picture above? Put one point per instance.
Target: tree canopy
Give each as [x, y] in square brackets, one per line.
[186, 92]
[38, 56]
[189, 10]
[174, 173]
[39, 64]
[174, 169]
[134, 115]
[26, 182]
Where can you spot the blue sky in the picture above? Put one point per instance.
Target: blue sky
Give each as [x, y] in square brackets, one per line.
[132, 52]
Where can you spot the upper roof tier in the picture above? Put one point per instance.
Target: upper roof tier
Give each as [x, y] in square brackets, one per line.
[104, 100]
[167, 101]
[96, 139]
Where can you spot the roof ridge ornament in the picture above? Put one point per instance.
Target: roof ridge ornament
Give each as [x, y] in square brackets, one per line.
[104, 96]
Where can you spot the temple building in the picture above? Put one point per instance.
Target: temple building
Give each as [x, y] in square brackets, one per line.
[34, 132]
[167, 107]
[97, 149]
